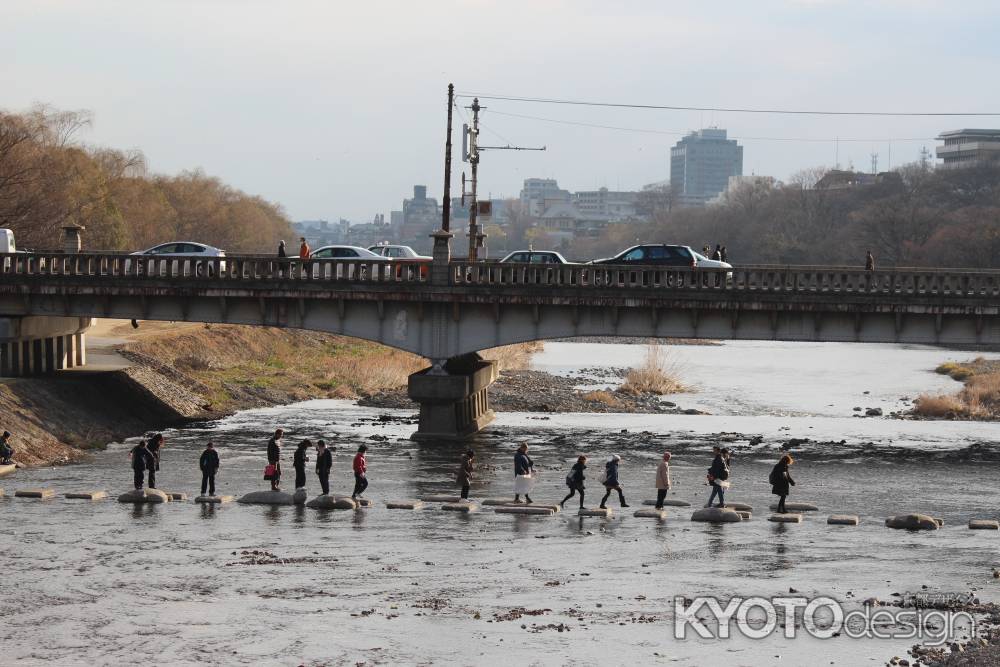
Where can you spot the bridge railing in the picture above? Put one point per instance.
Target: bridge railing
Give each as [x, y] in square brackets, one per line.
[493, 276]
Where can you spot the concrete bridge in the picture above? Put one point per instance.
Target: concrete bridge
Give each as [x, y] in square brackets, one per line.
[449, 310]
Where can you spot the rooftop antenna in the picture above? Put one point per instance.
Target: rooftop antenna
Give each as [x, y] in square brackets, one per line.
[874, 163]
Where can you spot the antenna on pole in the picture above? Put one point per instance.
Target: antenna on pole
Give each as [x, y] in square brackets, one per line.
[874, 163]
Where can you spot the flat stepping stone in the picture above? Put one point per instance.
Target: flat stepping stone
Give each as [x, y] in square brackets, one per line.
[144, 496]
[912, 522]
[843, 520]
[939, 522]
[7, 469]
[524, 509]
[650, 514]
[983, 524]
[745, 516]
[328, 502]
[796, 507]
[554, 508]
[460, 507]
[597, 511]
[267, 498]
[785, 518]
[668, 503]
[42, 494]
[179, 497]
[404, 504]
[363, 502]
[490, 502]
[87, 495]
[716, 515]
[300, 497]
[213, 500]
[442, 499]
[739, 507]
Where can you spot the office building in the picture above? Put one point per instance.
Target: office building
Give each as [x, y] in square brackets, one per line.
[701, 164]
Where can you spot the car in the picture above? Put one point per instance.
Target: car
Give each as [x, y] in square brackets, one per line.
[661, 254]
[346, 252]
[186, 250]
[399, 252]
[535, 257]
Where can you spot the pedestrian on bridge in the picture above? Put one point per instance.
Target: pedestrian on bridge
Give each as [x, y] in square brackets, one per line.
[209, 464]
[662, 480]
[299, 460]
[6, 451]
[611, 482]
[360, 472]
[717, 255]
[574, 480]
[273, 473]
[304, 250]
[724, 255]
[154, 446]
[324, 463]
[466, 470]
[281, 249]
[142, 460]
[869, 261]
[524, 469]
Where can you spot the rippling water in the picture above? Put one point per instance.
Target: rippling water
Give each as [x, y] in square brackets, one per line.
[103, 583]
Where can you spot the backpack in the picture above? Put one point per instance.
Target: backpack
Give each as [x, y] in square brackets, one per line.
[569, 480]
[724, 474]
[775, 477]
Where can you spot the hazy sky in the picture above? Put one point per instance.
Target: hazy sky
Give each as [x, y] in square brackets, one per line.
[335, 109]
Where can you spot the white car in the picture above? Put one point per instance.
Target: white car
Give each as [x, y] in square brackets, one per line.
[346, 252]
[535, 257]
[399, 252]
[188, 253]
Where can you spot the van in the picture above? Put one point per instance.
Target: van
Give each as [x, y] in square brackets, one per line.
[7, 241]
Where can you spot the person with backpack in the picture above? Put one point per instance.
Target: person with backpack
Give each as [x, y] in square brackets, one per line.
[324, 463]
[611, 482]
[780, 480]
[466, 469]
[718, 476]
[142, 460]
[360, 472]
[273, 470]
[299, 460]
[523, 469]
[574, 480]
[662, 480]
[209, 465]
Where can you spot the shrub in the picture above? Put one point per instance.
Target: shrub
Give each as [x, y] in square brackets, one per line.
[940, 405]
[603, 397]
[658, 374]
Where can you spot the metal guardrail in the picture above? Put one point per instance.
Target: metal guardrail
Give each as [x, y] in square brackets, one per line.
[494, 276]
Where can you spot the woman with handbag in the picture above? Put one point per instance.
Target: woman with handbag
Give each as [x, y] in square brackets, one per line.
[781, 480]
[273, 470]
[524, 469]
[718, 478]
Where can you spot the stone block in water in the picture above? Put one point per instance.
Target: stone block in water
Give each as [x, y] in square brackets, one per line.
[596, 511]
[983, 524]
[7, 469]
[668, 502]
[745, 516]
[328, 502]
[489, 502]
[785, 518]
[796, 507]
[404, 504]
[843, 520]
[363, 502]
[442, 499]
[912, 522]
[299, 497]
[716, 515]
[651, 514]
[42, 494]
[144, 496]
[524, 509]
[460, 507]
[175, 496]
[739, 507]
[267, 498]
[213, 500]
[87, 495]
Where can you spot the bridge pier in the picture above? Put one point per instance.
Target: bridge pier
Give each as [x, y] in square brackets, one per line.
[41, 345]
[453, 397]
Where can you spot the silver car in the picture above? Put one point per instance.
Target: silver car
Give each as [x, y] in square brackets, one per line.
[188, 254]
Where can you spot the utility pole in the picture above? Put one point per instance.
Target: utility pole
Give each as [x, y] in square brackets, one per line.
[446, 209]
[874, 163]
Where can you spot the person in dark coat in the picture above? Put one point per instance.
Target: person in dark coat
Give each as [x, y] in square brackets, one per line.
[718, 476]
[717, 255]
[781, 480]
[574, 480]
[611, 482]
[523, 467]
[869, 261]
[281, 249]
[142, 460]
[360, 466]
[299, 460]
[6, 451]
[466, 470]
[324, 463]
[209, 464]
[724, 255]
[154, 446]
[274, 458]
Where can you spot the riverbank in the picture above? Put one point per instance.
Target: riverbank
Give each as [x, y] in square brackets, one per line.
[979, 399]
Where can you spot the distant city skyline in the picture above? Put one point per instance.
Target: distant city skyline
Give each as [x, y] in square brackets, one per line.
[333, 111]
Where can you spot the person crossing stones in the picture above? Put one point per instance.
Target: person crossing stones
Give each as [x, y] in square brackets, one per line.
[324, 463]
[209, 464]
[142, 460]
[574, 480]
[611, 481]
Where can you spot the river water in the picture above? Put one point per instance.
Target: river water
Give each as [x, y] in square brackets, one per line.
[103, 583]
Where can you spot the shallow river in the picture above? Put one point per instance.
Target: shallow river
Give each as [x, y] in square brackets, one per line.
[104, 583]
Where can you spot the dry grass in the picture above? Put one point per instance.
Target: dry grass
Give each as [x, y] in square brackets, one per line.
[980, 399]
[937, 406]
[513, 357]
[658, 374]
[603, 397]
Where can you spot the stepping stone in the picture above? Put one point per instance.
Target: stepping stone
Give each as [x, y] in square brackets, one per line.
[144, 496]
[404, 504]
[597, 511]
[745, 516]
[529, 509]
[739, 507]
[328, 502]
[489, 502]
[912, 522]
[939, 522]
[716, 515]
[7, 469]
[668, 502]
[442, 499]
[363, 502]
[300, 496]
[180, 497]
[460, 507]
[796, 507]
[554, 508]
[651, 514]
[267, 498]
[42, 494]
[843, 520]
[87, 495]
[785, 518]
[213, 500]
[983, 524]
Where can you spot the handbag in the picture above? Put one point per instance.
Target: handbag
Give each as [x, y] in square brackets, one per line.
[269, 471]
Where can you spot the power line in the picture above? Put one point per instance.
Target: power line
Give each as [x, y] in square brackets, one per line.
[679, 133]
[663, 107]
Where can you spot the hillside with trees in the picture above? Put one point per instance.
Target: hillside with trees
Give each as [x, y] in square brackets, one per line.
[48, 179]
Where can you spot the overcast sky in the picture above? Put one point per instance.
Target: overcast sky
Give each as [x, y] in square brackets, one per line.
[335, 109]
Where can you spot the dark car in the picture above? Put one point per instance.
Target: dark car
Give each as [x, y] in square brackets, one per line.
[659, 254]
